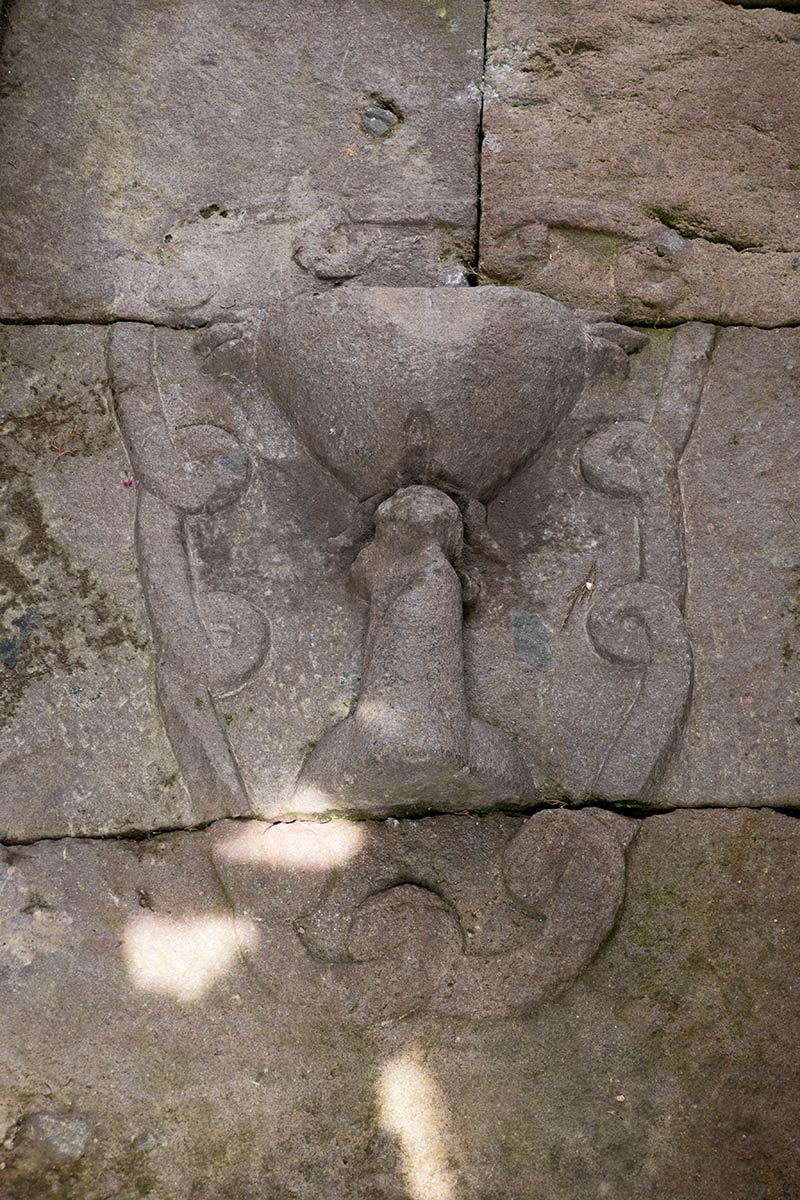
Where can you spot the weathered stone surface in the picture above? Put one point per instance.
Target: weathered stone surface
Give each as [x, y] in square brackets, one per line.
[392, 551]
[142, 1054]
[175, 163]
[254, 685]
[643, 157]
[742, 501]
[82, 746]
[567, 696]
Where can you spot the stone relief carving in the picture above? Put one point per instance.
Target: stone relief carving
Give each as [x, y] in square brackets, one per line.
[641, 625]
[411, 741]
[464, 916]
[410, 410]
[419, 405]
[209, 643]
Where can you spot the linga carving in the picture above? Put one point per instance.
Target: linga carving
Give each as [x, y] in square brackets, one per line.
[423, 404]
[411, 741]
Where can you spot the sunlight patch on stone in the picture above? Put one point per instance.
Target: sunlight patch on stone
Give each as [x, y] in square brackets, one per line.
[297, 844]
[181, 959]
[310, 799]
[412, 1110]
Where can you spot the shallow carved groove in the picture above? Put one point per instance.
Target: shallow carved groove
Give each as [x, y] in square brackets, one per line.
[209, 643]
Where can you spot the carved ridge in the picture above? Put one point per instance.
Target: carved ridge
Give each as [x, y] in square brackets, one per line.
[206, 471]
[641, 625]
[653, 724]
[630, 461]
[384, 936]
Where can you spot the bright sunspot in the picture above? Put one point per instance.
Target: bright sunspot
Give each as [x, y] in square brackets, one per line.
[181, 959]
[412, 1110]
[311, 844]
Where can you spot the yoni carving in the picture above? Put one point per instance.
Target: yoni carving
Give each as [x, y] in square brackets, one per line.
[423, 404]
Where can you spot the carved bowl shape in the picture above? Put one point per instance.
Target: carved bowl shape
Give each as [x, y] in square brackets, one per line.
[454, 387]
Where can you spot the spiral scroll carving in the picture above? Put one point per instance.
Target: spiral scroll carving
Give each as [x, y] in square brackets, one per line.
[209, 643]
[463, 916]
[640, 626]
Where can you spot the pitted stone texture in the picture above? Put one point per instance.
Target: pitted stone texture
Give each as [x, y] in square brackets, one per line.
[200, 157]
[643, 157]
[669, 1069]
[82, 745]
[740, 487]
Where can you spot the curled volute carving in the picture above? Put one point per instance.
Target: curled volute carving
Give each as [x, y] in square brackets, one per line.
[209, 643]
[463, 916]
[630, 461]
[640, 626]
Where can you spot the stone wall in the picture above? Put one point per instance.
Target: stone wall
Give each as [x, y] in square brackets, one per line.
[243, 952]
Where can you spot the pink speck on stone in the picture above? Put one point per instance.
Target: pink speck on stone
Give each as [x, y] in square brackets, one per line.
[128, 481]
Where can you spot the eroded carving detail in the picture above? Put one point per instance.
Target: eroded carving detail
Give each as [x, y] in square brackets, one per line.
[415, 399]
[411, 741]
[465, 916]
[209, 643]
[641, 625]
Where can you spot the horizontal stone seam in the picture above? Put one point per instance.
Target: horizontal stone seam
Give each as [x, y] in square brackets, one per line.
[104, 322]
[636, 814]
[659, 326]
[109, 322]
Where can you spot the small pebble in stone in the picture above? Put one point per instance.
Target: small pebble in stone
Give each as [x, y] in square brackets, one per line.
[378, 120]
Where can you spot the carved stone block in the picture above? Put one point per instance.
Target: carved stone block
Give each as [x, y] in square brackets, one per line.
[202, 156]
[262, 630]
[357, 625]
[644, 160]
[152, 1041]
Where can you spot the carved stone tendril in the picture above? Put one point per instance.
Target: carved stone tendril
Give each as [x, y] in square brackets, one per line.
[209, 643]
[472, 917]
[641, 625]
[656, 717]
[630, 461]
